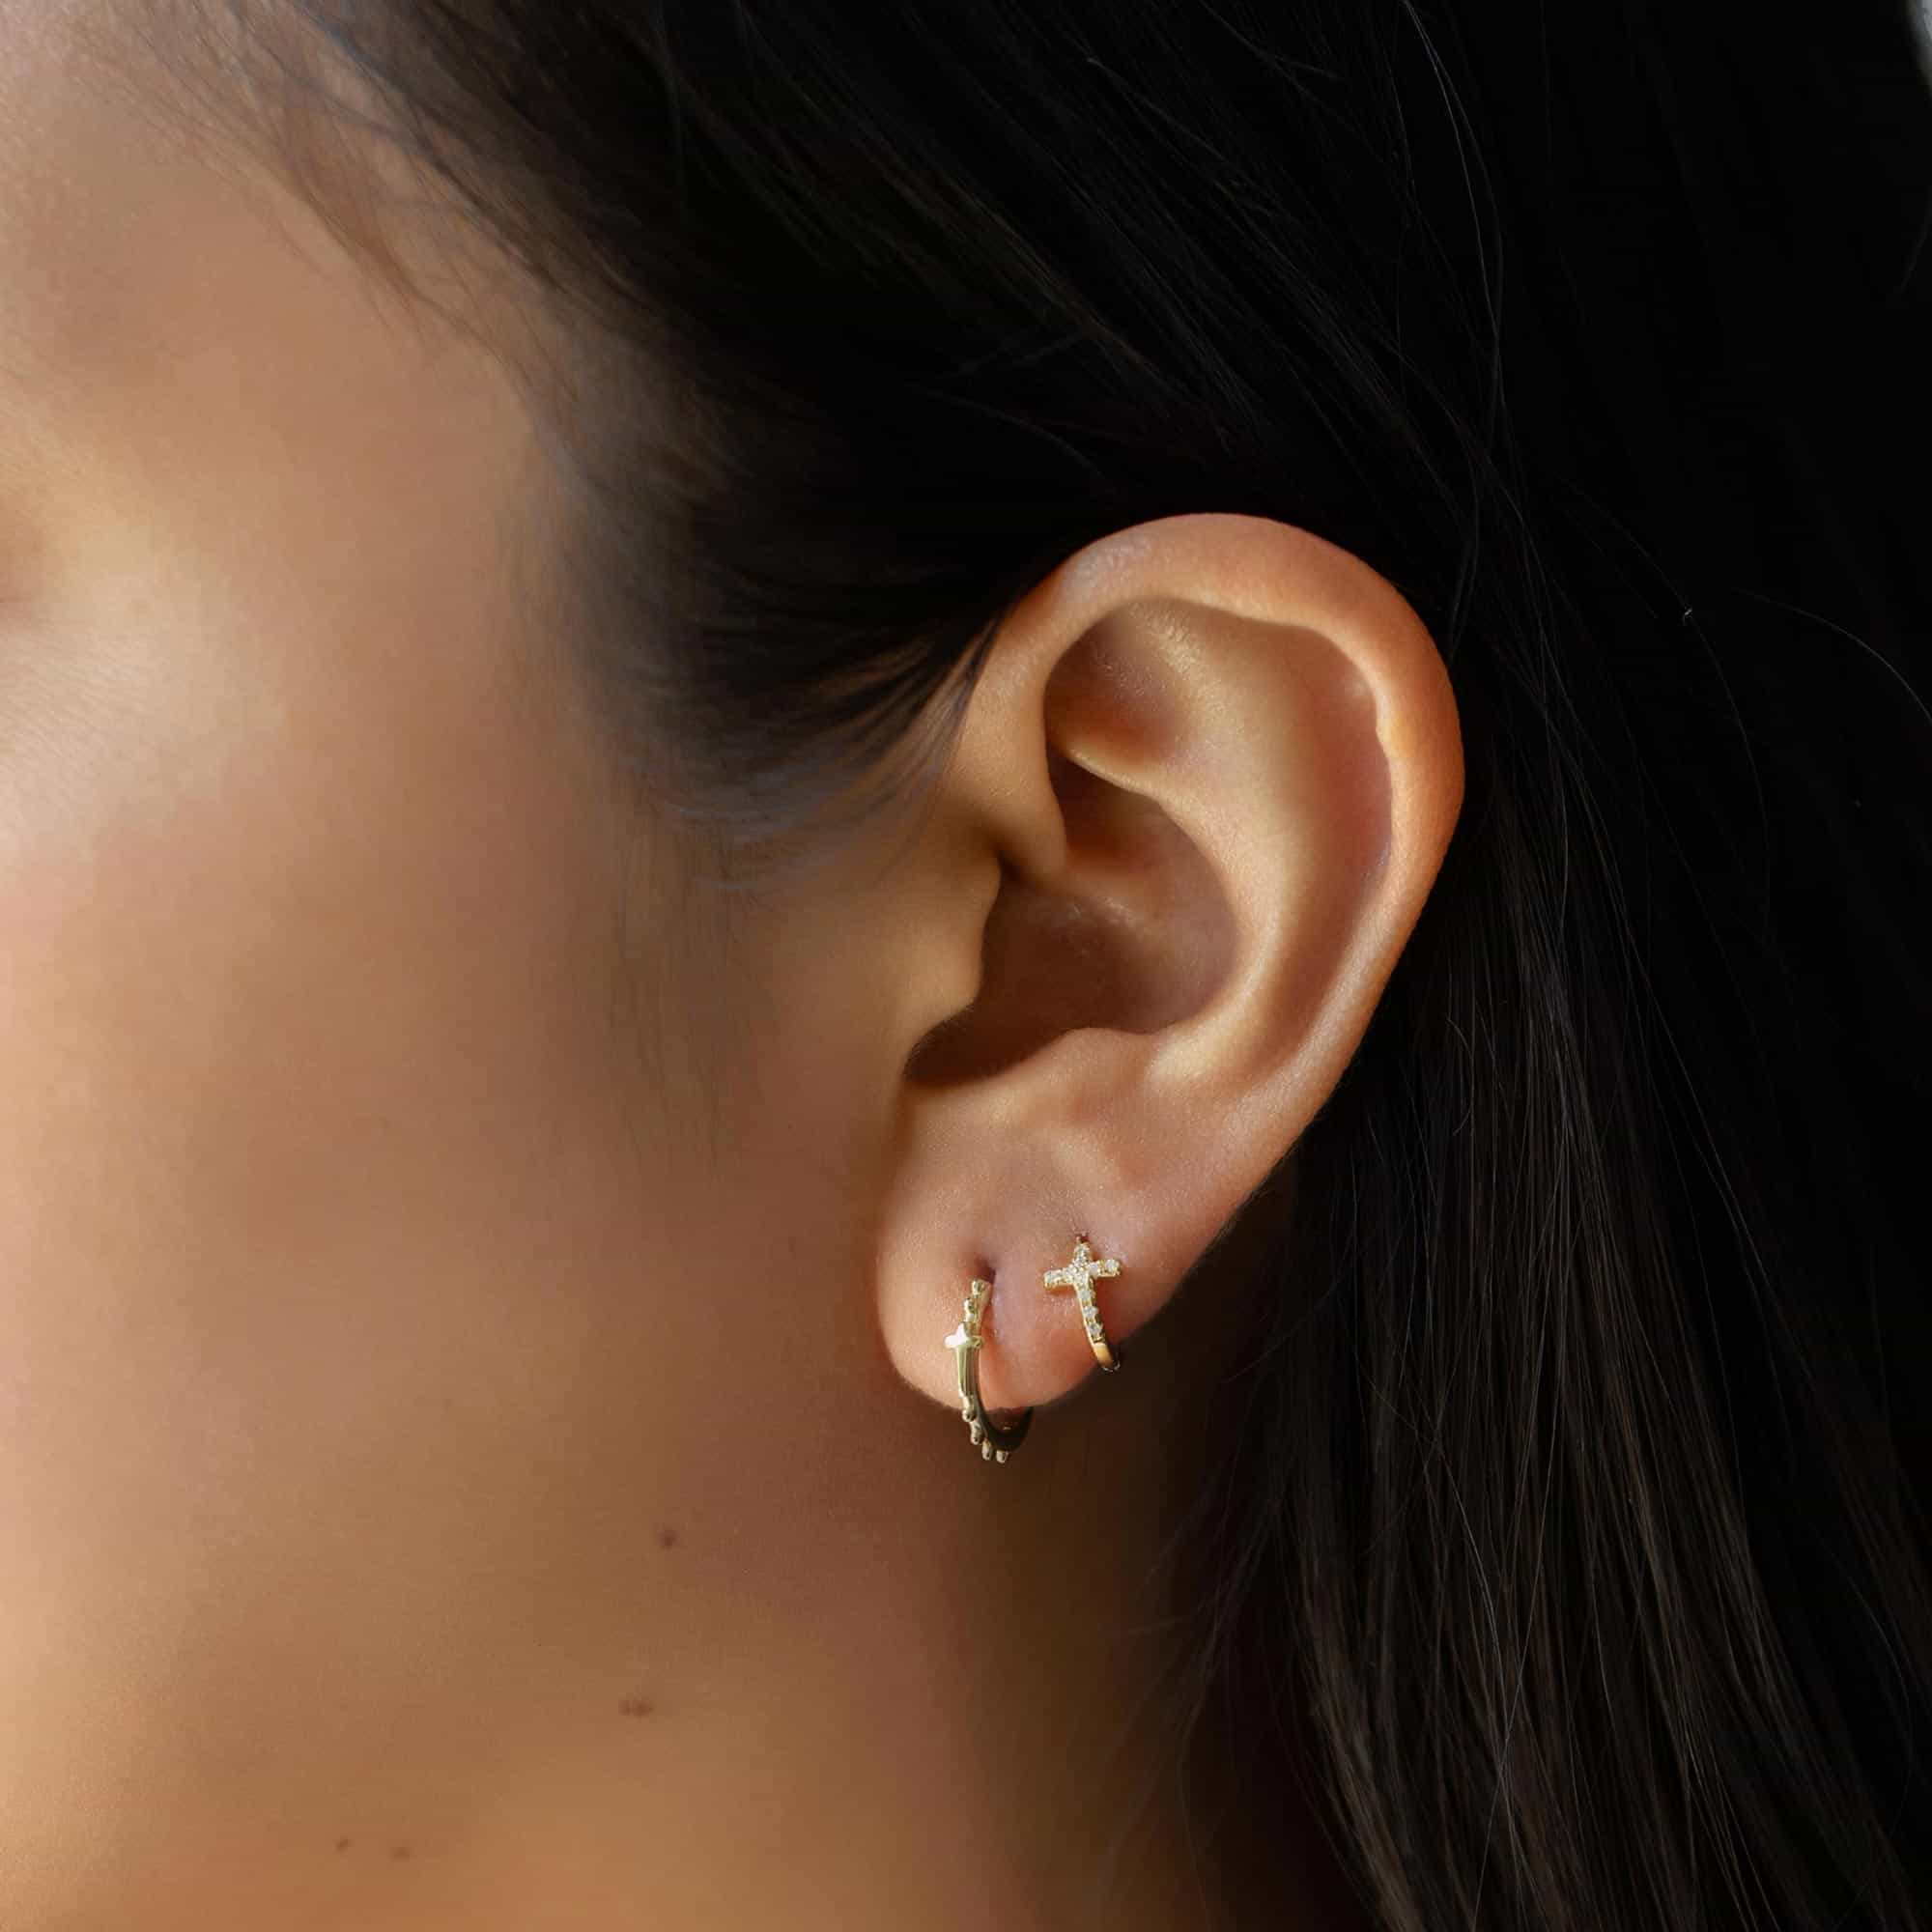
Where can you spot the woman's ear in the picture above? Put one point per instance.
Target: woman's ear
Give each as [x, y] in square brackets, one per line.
[1201, 788]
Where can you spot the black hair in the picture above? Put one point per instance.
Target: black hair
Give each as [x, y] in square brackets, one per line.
[1570, 1509]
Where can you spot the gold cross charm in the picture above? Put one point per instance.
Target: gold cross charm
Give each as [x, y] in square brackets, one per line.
[1080, 1274]
[993, 1441]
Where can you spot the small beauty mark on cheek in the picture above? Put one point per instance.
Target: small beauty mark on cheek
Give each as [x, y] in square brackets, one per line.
[667, 1537]
[637, 1707]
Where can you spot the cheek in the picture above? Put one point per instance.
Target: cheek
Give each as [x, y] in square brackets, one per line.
[311, 1188]
[263, 956]
[387, 1251]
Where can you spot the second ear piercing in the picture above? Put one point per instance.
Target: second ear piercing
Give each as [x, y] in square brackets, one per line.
[1080, 1274]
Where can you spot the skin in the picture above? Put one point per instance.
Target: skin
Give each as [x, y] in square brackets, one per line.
[480, 1448]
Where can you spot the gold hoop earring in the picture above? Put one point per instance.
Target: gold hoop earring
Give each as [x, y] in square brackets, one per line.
[1080, 1274]
[996, 1443]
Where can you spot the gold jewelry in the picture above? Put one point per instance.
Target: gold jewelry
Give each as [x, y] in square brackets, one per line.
[995, 1442]
[1080, 1274]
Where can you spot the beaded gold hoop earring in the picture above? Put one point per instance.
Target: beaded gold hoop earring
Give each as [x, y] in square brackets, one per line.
[996, 1443]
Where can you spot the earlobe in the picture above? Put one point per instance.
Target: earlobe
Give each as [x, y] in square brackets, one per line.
[1217, 759]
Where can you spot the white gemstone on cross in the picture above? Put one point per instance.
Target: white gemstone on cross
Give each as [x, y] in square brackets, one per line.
[1082, 1271]
[960, 1338]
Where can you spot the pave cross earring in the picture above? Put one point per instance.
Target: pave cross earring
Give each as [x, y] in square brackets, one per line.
[1080, 1274]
